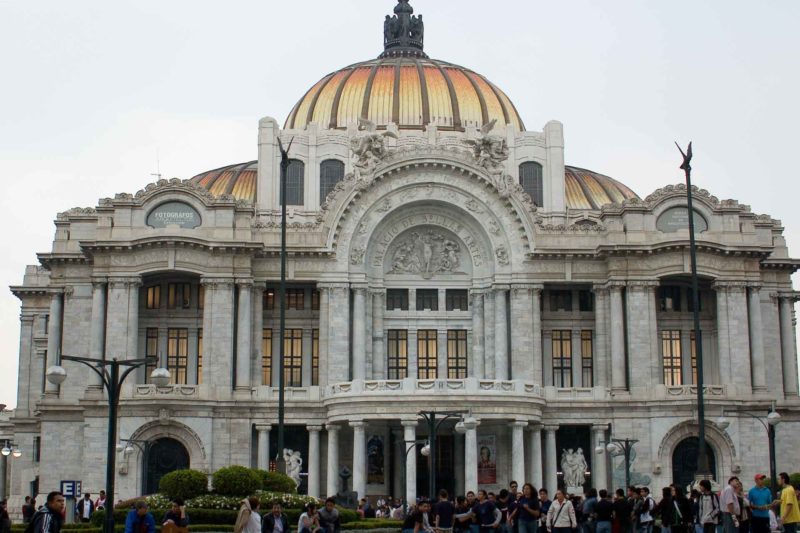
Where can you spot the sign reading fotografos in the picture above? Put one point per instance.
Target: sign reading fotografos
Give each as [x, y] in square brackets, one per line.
[677, 218]
[174, 214]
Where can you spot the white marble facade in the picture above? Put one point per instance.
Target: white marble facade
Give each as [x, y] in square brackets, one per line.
[536, 288]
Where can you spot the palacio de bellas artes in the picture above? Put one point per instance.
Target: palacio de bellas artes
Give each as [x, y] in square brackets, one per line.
[442, 256]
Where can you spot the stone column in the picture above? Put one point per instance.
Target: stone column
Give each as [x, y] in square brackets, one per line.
[54, 337]
[787, 345]
[359, 335]
[599, 471]
[643, 349]
[410, 459]
[535, 455]
[741, 373]
[378, 344]
[243, 335]
[97, 328]
[324, 333]
[538, 357]
[359, 458]
[488, 335]
[217, 332]
[619, 372]
[258, 334]
[132, 346]
[313, 461]
[471, 455]
[522, 334]
[500, 334]
[339, 334]
[551, 459]
[600, 337]
[477, 368]
[723, 334]
[263, 446]
[757, 339]
[518, 450]
[332, 467]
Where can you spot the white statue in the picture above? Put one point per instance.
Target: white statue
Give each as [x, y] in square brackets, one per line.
[573, 465]
[369, 148]
[294, 464]
[490, 151]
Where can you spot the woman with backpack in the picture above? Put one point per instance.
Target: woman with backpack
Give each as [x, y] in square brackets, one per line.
[708, 508]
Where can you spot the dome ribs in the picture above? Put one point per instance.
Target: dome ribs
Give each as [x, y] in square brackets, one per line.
[313, 106]
[484, 109]
[368, 91]
[396, 101]
[426, 109]
[338, 98]
[453, 97]
[506, 116]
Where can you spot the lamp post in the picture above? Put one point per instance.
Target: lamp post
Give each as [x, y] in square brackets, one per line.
[620, 445]
[109, 372]
[144, 447]
[773, 419]
[703, 471]
[9, 448]
[280, 462]
[433, 427]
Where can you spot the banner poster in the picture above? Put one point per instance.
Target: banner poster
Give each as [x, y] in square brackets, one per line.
[487, 460]
[375, 460]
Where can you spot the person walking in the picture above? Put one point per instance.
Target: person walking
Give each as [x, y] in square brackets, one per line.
[84, 508]
[790, 514]
[139, 519]
[644, 511]
[544, 506]
[604, 513]
[248, 520]
[760, 498]
[707, 508]
[729, 504]
[443, 513]
[622, 513]
[528, 510]
[665, 509]
[50, 517]
[683, 510]
[561, 515]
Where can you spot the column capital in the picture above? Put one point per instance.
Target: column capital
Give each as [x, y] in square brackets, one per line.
[535, 425]
[244, 283]
[643, 284]
[755, 286]
[615, 284]
[99, 282]
[518, 424]
[728, 286]
[314, 428]
[501, 287]
[331, 427]
[522, 288]
[550, 427]
[408, 423]
[263, 427]
[791, 296]
[600, 288]
[259, 285]
[357, 424]
[377, 291]
[124, 282]
[599, 427]
[217, 282]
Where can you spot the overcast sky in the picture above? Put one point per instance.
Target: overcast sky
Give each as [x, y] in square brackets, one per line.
[91, 91]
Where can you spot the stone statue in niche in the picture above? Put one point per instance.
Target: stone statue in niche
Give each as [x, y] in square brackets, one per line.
[573, 465]
[368, 149]
[489, 151]
[426, 254]
[294, 464]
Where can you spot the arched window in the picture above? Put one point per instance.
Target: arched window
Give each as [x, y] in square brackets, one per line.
[331, 172]
[295, 182]
[530, 177]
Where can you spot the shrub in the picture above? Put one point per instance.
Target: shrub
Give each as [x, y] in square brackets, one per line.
[184, 484]
[236, 481]
[373, 523]
[276, 482]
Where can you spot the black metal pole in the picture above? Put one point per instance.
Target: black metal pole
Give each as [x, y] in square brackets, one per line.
[112, 387]
[627, 450]
[432, 466]
[773, 470]
[281, 464]
[702, 455]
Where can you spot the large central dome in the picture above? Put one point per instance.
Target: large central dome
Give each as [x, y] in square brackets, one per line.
[404, 87]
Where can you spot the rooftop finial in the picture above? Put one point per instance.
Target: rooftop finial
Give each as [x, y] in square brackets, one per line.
[403, 33]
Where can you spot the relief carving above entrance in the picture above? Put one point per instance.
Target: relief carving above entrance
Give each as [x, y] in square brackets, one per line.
[426, 253]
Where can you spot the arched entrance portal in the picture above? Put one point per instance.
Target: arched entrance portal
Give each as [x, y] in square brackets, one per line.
[164, 456]
[684, 461]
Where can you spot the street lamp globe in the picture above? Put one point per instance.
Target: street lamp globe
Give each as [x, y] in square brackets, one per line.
[6, 451]
[160, 377]
[56, 375]
[426, 450]
[16, 452]
[120, 448]
[460, 427]
[611, 447]
[600, 449]
[723, 423]
[773, 418]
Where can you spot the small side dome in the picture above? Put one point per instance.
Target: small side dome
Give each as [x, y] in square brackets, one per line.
[238, 180]
[585, 189]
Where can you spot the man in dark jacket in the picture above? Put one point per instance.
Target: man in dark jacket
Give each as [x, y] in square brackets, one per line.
[50, 517]
[276, 521]
[84, 508]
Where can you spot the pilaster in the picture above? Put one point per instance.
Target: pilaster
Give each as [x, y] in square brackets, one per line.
[522, 338]
[476, 369]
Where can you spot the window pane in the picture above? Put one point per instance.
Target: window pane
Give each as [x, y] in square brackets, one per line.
[331, 172]
[669, 298]
[200, 356]
[457, 299]
[201, 296]
[315, 300]
[397, 351]
[427, 299]
[530, 178]
[151, 350]
[457, 354]
[178, 354]
[586, 301]
[172, 296]
[694, 357]
[293, 358]
[295, 299]
[562, 358]
[587, 362]
[266, 356]
[560, 300]
[427, 360]
[397, 299]
[153, 297]
[295, 182]
[671, 353]
[314, 357]
[269, 299]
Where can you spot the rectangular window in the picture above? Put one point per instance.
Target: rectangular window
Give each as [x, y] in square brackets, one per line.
[427, 356]
[397, 299]
[172, 295]
[153, 297]
[693, 348]
[186, 295]
[562, 358]
[587, 360]
[457, 354]
[201, 296]
[178, 354]
[669, 298]
[269, 299]
[586, 301]
[427, 299]
[266, 356]
[315, 300]
[151, 350]
[295, 299]
[293, 358]
[200, 356]
[561, 300]
[671, 353]
[314, 357]
[397, 350]
[457, 299]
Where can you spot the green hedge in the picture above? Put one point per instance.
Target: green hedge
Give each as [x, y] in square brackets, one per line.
[185, 484]
[236, 481]
[120, 528]
[373, 523]
[276, 482]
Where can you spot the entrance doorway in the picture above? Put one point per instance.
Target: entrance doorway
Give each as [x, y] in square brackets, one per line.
[164, 456]
[445, 471]
[684, 461]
